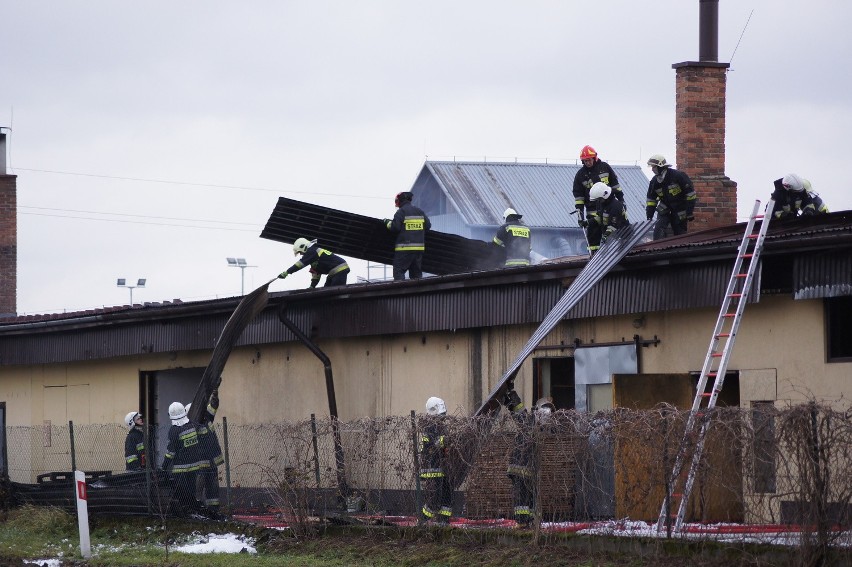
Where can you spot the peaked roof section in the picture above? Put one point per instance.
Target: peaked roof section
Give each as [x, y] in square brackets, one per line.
[541, 192]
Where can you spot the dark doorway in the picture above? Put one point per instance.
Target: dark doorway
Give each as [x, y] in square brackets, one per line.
[157, 390]
[554, 377]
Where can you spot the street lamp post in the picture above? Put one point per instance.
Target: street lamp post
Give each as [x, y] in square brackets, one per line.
[122, 282]
[242, 265]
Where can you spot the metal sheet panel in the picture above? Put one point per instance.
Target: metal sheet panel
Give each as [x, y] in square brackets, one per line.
[826, 274]
[597, 364]
[358, 236]
[615, 248]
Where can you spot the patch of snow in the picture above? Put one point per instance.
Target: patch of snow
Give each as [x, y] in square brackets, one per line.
[43, 562]
[214, 543]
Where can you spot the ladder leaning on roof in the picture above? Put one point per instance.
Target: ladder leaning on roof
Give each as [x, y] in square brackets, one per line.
[679, 486]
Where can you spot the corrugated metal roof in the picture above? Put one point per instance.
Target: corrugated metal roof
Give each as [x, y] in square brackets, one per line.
[540, 192]
[813, 256]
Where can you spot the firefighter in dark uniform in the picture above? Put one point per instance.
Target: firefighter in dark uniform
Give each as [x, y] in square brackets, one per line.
[793, 196]
[134, 443]
[212, 451]
[524, 461]
[514, 237]
[671, 194]
[433, 452]
[606, 215]
[409, 224]
[322, 262]
[593, 171]
[183, 458]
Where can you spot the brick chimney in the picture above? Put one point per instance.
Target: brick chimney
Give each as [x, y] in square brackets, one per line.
[8, 237]
[700, 125]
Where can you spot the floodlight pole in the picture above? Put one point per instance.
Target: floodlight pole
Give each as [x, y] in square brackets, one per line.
[242, 265]
[122, 282]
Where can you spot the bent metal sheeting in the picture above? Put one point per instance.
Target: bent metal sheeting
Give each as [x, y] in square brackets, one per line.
[367, 238]
[615, 248]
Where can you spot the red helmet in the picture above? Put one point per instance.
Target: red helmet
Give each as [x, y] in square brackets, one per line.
[588, 152]
[404, 197]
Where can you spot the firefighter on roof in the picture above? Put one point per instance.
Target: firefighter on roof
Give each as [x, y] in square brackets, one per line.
[606, 215]
[593, 171]
[671, 195]
[433, 456]
[409, 224]
[134, 443]
[322, 262]
[524, 461]
[794, 196]
[514, 237]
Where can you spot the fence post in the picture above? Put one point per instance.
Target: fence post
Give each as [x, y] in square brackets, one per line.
[148, 464]
[227, 462]
[418, 496]
[73, 453]
[316, 450]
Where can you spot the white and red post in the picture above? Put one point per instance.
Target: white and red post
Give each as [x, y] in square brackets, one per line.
[82, 513]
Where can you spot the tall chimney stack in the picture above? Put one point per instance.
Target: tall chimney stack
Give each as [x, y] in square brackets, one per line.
[8, 236]
[700, 124]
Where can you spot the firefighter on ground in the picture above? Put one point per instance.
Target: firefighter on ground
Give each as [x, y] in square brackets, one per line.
[593, 171]
[606, 215]
[212, 451]
[134, 443]
[409, 224]
[183, 458]
[524, 460]
[794, 196]
[434, 446]
[671, 194]
[322, 262]
[514, 238]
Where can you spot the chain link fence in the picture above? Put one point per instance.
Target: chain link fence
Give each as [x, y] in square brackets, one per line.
[761, 466]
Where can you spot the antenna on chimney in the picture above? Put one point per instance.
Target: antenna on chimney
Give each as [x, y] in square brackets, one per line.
[741, 37]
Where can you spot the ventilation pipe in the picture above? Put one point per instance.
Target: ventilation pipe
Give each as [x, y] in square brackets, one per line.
[708, 30]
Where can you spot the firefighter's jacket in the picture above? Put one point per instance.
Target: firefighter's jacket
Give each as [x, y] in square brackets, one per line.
[207, 438]
[433, 448]
[410, 225]
[610, 214]
[523, 449]
[674, 194]
[321, 261]
[183, 454]
[588, 176]
[514, 236]
[134, 449]
[792, 203]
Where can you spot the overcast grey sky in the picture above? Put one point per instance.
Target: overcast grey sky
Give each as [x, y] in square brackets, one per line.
[153, 139]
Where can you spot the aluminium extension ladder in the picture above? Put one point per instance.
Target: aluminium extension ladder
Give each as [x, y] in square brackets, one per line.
[680, 485]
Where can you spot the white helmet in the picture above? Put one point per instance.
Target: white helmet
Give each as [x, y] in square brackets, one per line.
[657, 160]
[130, 419]
[600, 190]
[509, 212]
[301, 245]
[544, 407]
[177, 411]
[807, 185]
[436, 406]
[793, 182]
